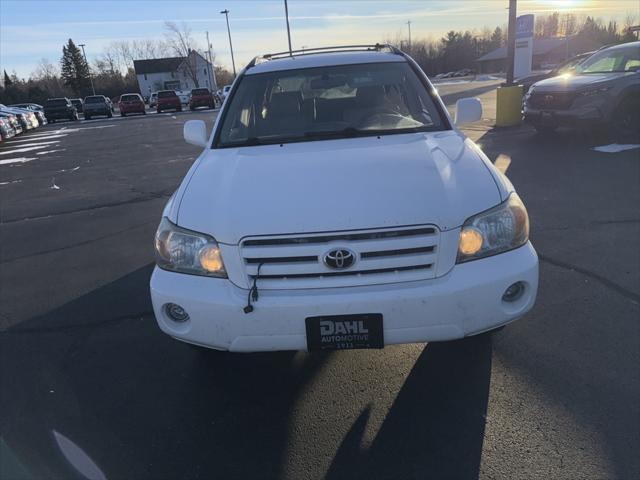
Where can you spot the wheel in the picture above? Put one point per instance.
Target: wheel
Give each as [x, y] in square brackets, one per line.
[110, 114]
[144, 112]
[76, 117]
[625, 123]
[122, 114]
[191, 108]
[545, 129]
[158, 110]
[179, 109]
[87, 117]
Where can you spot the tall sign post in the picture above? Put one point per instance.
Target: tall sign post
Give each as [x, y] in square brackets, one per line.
[511, 40]
[524, 46]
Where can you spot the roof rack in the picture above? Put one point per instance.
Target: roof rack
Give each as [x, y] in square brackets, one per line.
[313, 51]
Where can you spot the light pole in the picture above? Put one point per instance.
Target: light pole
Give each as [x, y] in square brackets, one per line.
[82, 45]
[233, 62]
[286, 13]
[409, 25]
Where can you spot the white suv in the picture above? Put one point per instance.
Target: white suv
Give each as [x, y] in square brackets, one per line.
[336, 205]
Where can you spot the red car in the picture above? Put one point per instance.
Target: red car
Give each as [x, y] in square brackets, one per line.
[201, 97]
[168, 100]
[131, 103]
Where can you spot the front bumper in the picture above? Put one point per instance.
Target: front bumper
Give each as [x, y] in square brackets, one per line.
[583, 116]
[464, 302]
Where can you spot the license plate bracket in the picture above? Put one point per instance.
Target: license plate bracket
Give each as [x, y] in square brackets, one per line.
[344, 332]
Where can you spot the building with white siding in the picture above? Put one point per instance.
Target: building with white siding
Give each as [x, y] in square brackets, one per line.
[174, 73]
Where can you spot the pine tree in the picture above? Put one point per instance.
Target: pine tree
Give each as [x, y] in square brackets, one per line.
[7, 80]
[73, 68]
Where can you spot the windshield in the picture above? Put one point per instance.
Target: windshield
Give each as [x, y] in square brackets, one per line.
[166, 94]
[619, 59]
[129, 98]
[200, 91]
[61, 102]
[328, 102]
[94, 100]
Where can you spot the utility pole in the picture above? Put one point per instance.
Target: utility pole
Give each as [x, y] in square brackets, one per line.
[82, 45]
[286, 13]
[409, 25]
[212, 75]
[511, 41]
[233, 62]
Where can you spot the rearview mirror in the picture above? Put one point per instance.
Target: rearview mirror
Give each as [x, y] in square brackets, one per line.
[195, 133]
[468, 110]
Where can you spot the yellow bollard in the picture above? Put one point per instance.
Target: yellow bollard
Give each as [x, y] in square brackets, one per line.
[509, 106]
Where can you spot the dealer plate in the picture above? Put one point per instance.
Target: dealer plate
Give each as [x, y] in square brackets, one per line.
[344, 332]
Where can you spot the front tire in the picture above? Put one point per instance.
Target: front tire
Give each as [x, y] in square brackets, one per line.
[625, 124]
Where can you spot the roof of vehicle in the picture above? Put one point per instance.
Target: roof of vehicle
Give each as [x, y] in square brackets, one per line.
[622, 45]
[322, 57]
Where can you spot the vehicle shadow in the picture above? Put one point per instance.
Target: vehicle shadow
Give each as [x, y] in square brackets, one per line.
[136, 403]
[435, 427]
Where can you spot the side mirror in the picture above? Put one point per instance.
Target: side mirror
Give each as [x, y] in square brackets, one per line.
[195, 133]
[468, 110]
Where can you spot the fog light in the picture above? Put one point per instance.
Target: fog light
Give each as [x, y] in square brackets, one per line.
[514, 292]
[176, 312]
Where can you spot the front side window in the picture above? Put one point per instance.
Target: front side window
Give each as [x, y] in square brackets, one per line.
[625, 59]
[328, 102]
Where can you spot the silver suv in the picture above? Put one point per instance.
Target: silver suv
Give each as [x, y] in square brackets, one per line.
[604, 90]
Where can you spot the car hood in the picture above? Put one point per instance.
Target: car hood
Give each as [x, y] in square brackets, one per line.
[337, 185]
[574, 82]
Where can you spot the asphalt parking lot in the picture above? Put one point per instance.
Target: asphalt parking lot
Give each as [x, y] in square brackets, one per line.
[87, 377]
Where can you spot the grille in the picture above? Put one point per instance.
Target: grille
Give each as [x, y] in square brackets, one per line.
[551, 101]
[380, 256]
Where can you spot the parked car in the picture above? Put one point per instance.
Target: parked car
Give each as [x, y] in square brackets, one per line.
[201, 97]
[565, 67]
[168, 100]
[60, 108]
[77, 102]
[31, 106]
[26, 117]
[35, 108]
[97, 105]
[604, 91]
[6, 129]
[12, 121]
[465, 72]
[225, 91]
[184, 95]
[418, 238]
[153, 99]
[131, 103]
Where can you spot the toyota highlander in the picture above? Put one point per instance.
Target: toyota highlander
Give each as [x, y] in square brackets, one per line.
[336, 205]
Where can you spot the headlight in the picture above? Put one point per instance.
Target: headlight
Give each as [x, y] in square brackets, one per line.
[594, 91]
[185, 251]
[497, 230]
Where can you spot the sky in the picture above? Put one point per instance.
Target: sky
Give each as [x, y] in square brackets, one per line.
[33, 30]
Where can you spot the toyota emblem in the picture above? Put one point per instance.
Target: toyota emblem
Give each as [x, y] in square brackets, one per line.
[339, 259]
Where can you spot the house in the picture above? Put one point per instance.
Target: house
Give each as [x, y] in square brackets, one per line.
[174, 73]
[546, 51]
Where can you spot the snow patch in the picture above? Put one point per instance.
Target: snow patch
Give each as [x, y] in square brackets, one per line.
[16, 160]
[53, 184]
[70, 169]
[51, 151]
[616, 147]
[12, 181]
[21, 150]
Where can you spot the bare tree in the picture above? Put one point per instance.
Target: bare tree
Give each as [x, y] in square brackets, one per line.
[181, 42]
[45, 70]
